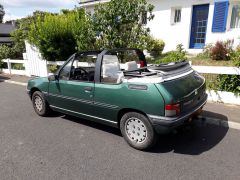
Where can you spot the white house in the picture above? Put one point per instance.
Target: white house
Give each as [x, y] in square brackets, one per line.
[193, 23]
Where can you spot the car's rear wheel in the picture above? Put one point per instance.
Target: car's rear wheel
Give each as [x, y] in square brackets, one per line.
[40, 104]
[138, 131]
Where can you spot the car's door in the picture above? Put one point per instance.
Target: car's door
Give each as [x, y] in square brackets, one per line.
[74, 88]
[108, 90]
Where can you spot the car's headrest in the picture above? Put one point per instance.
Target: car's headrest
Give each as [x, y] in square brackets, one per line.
[110, 70]
[131, 66]
[108, 59]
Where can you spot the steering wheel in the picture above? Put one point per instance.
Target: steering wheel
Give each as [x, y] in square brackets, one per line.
[78, 75]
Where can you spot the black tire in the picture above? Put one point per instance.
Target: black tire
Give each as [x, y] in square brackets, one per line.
[144, 137]
[38, 97]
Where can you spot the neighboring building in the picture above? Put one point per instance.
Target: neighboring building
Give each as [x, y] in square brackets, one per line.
[193, 23]
[5, 30]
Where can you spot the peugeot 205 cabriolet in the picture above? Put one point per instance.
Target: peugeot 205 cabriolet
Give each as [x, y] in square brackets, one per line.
[117, 88]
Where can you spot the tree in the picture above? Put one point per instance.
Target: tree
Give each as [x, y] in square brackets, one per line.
[59, 36]
[21, 33]
[119, 23]
[2, 13]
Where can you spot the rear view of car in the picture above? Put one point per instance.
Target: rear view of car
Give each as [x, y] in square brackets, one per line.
[183, 90]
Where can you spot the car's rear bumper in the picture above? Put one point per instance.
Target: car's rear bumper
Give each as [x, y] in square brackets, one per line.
[162, 123]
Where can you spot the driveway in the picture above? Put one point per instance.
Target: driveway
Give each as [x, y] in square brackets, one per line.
[64, 147]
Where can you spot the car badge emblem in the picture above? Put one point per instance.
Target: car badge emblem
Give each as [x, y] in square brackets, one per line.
[195, 92]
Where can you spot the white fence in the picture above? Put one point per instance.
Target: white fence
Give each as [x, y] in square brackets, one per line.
[38, 67]
[35, 65]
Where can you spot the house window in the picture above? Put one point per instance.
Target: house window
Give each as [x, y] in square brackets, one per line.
[144, 18]
[176, 15]
[235, 19]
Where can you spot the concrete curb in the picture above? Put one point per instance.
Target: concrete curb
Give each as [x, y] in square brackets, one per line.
[13, 82]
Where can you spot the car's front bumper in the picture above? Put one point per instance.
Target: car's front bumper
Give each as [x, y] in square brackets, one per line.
[162, 123]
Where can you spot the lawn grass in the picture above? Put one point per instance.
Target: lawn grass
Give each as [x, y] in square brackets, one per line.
[201, 61]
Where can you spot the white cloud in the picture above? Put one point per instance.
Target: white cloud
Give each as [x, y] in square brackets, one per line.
[38, 3]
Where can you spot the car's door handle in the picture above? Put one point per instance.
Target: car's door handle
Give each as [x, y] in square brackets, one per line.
[88, 89]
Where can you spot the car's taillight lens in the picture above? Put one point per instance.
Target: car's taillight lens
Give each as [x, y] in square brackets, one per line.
[172, 110]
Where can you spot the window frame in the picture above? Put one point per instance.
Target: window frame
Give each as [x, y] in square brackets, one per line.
[231, 17]
[174, 10]
[73, 58]
[144, 18]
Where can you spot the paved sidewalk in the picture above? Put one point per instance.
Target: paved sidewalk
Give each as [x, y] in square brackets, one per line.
[17, 78]
[222, 112]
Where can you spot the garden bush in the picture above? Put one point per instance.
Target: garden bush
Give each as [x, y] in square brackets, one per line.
[173, 56]
[221, 50]
[17, 66]
[155, 46]
[59, 36]
[231, 83]
[5, 53]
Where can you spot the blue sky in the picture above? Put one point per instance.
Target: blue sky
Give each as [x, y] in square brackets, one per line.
[21, 8]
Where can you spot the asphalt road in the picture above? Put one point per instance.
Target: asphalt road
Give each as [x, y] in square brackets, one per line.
[63, 147]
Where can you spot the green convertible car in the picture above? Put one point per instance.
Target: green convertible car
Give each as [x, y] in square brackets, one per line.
[117, 88]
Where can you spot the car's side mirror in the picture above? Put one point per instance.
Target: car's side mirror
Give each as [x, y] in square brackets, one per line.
[53, 77]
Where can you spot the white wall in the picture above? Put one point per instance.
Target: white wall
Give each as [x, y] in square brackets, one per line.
[162, 28]
[172, 35]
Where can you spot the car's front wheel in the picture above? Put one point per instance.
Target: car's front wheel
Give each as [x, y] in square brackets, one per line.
[137, 131]
[40, 104]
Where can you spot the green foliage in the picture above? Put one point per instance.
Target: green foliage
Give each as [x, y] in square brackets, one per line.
[155, 46]
[119, 25]
[17, 66]
[2, 13]
[231, 83]
[52, 68]
[5, 52]
[206, 52]
[21, 33]
[58, 36]
[173, 56]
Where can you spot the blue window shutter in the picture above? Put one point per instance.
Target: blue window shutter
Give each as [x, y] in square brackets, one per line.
[220, 16]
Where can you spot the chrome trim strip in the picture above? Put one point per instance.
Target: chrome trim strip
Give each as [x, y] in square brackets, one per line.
[44, 92]
[73, 99]
[106, 105]
[84, 114]
[85, 101]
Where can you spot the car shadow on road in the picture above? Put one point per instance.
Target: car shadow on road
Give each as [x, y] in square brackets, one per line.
[93, 124]
[195, 139]
[191, 140]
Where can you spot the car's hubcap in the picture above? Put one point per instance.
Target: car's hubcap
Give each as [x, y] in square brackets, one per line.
[38, 103]
[136, 130]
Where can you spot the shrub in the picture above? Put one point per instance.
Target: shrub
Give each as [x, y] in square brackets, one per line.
[172, 56]
[52, 68]
[5, 52]
[221, 50]
[155, 46]
[59, 36]
[231, 83]
[206, 51]
[18, 66]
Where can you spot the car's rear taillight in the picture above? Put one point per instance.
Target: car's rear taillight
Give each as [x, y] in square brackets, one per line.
[172, 110]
